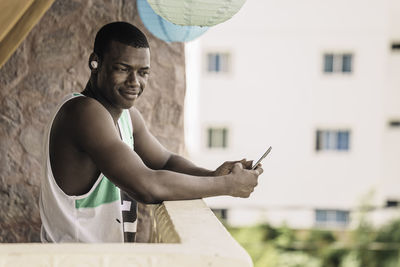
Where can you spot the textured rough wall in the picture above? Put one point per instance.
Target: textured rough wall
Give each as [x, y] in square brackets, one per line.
[52, 62]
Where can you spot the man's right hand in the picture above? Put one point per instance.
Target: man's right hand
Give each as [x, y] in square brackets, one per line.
[242, 181]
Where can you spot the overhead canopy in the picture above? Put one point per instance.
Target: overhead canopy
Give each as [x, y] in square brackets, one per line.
[17, 18]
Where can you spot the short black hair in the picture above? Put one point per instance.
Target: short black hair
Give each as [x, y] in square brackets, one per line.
[119, 31]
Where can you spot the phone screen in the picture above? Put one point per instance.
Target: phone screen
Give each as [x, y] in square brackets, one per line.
[262, 157]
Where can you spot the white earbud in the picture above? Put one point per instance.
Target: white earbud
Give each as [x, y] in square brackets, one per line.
[94, 64]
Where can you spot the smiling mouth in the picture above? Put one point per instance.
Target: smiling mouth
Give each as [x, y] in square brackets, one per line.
[132, 94]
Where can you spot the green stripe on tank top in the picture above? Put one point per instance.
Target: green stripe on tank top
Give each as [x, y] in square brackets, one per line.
[125, 127]
[126, 130]
[105, 192]
[127, 122]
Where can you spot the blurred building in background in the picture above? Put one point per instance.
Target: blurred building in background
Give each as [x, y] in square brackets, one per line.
[319, 82]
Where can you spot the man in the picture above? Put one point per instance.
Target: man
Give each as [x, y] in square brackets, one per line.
[100, 154]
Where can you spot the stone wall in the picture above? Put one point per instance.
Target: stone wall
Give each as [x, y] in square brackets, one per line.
[52, 62]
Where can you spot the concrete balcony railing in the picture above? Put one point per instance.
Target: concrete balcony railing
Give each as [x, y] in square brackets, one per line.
[185, 233]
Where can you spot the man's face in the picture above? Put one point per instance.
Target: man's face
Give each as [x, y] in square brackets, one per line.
[123, 74]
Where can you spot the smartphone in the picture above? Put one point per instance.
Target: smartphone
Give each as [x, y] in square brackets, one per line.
[262, 157]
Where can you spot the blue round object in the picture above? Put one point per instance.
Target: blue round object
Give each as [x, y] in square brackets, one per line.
[164, 29]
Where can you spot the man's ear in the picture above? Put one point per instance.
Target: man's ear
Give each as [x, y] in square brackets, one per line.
[94, 62]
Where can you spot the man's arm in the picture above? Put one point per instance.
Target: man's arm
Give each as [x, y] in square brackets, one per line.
[157, 157]
[95, 133]
[180, 164]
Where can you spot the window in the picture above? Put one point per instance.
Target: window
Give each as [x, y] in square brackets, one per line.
[332, 140]
[338, 63]
[218, 62]
[394, 123]
[396, 46]
[392, 203]
[221, 214]
[331, 217]
[217, 137]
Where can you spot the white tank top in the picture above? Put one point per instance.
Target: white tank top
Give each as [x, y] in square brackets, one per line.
[104, 214]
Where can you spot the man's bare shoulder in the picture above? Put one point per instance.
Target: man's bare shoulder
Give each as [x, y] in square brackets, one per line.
[83, 107]
[81, 116]
[135, 113]
[138, 122]
[83, 111]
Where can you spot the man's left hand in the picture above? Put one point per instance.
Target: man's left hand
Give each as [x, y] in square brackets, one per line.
[227, 166]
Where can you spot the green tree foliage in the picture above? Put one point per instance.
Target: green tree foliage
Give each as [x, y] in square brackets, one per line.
[282, 246]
